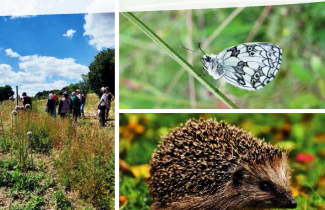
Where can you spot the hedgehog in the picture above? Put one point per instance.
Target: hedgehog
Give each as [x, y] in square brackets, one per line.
[212, 165]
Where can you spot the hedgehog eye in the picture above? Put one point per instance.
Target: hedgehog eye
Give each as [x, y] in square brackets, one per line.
[266, 186]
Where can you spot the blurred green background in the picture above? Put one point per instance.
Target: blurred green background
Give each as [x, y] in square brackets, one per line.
[149, 78]
[303, 134]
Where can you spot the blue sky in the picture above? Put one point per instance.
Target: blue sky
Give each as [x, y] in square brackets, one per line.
[47, 52]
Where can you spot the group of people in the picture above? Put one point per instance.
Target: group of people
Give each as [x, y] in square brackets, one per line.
[74, 104]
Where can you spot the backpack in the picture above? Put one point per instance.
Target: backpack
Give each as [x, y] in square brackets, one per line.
[77, 102]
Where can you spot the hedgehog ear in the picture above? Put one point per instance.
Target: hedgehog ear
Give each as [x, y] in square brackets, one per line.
[238, 177]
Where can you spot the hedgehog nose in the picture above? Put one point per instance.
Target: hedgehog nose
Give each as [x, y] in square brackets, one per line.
[291, 204]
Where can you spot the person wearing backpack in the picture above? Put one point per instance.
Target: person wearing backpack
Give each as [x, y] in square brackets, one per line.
[27, 100]
[76, 103]
[109, 98]
[65, 106]
[50, 105]
[55, 104]
[102, 107]
[83, 97]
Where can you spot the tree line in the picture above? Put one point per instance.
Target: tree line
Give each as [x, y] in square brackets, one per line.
[101, 74]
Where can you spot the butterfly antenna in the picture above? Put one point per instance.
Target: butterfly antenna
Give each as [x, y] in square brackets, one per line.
[201, 49]
[188, 49]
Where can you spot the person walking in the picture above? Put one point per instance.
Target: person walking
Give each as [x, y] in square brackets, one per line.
[50, 104]
[78, 94]
[76, 103]
[102, 107]
[54, 96]
[83, 102]
[110, 97]
[26, 100]
[65, 106]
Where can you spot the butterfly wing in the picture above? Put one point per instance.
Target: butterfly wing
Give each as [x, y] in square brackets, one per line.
[251, 66]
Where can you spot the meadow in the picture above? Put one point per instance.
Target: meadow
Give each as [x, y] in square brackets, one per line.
[302, 134]
[152, 78]
[48, 163]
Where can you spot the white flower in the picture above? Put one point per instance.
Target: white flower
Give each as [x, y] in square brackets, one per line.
[27, 106]
[29, 134]
[14, 112]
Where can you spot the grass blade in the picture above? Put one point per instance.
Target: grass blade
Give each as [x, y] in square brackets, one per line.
[130, 16]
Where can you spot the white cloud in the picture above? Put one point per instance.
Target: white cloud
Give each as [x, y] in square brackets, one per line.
[50, 66]
[35, 69]
[46, 66]
[100, 27]
[10, 77]
[12, 53]
[69, 33]
[21, 16]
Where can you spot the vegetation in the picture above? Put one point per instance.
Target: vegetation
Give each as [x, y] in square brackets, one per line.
[5, 92]
[102, 71]
[303, 134]
[151, 79]
[56, 163]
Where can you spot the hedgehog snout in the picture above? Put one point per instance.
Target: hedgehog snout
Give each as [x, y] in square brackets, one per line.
[291, 203]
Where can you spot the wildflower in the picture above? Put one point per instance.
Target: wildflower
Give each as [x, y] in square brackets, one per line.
[305, 157]
[122, 199]
[28, 107]
[29, 134]
[14, 112]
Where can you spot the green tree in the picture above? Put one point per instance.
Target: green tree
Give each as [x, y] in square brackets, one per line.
[6, 92]
[102, 71]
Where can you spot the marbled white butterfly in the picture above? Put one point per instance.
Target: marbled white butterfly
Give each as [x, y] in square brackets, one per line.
[249, 66]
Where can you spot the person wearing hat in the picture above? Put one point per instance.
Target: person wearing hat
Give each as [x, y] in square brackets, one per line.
[65, 106]
[102, 107]
[83, 97]
[76, 103]
[26, 99]
[110, 97]
[78, 94]
[55, 104]
[50, 105]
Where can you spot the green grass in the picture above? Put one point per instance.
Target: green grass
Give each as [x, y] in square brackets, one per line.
[61, 158]
[150, 78]
[301, 133]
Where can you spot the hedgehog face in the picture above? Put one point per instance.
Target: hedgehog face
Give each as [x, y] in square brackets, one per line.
[264, 185]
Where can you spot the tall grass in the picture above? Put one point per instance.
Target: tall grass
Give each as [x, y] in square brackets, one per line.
[83, 151]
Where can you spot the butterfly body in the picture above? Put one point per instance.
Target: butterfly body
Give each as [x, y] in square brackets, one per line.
[248, 66]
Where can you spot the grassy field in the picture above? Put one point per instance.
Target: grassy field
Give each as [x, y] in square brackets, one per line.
[150, 78]
[303, 134]
[60, 164]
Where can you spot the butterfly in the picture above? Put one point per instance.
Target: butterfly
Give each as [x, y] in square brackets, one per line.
[249, 66]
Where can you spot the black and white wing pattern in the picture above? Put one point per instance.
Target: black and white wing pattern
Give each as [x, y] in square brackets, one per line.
[250, 66]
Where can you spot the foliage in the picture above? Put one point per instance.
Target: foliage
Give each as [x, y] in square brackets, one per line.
[5, 92]
[102, 71]
[84, 149]
[303, 134]
[61, 200]
[151, 79]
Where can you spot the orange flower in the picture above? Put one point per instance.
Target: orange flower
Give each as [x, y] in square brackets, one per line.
[122, 199]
